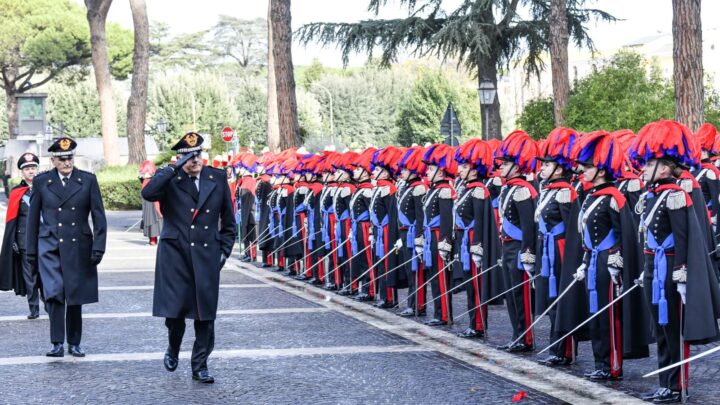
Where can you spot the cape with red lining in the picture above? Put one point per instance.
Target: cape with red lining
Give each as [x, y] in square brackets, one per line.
[11, 277]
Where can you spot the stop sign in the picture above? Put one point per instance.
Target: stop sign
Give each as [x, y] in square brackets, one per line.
[228, 134]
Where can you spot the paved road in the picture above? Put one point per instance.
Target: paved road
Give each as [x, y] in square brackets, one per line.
[278, 341]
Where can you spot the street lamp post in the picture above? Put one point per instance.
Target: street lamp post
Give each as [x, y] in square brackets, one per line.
[487, 92]
[332, 129]
[162, 126]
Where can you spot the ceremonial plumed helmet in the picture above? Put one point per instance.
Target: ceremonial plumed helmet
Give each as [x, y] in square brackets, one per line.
[665, 139]
[442, 156]
[478, 153]
[520, 149]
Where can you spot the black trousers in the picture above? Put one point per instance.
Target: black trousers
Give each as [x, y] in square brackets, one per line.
[30, 275]
[519, 300]
[668, 336]
[64, 319]
[606, 328]
[204, 340]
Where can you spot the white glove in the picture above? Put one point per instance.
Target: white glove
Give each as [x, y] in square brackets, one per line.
[444, 254]
[398, 244]
[615, 275]
[371, 238]
[529, 268]
[681, 289]
[580, 273]
[477, 259]
[680, 275]
[418, 249]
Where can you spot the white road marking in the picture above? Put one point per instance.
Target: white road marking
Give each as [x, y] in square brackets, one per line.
[228, 354]
[111, 315]
[561, 385]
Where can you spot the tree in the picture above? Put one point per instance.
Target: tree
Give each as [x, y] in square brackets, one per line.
[39, 40]
[280, 19]
[273, 123]
[244, 41]
[687, 62]
[470, 34]
[628, 92]
[78, 107]
[559, 39]
[97, 11]
[420, 114]
[137, 102]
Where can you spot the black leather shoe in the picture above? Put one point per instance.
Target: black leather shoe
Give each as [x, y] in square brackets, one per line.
[33, 316]
[363, 297]
[667, 397]
[302, 277]
[203, 376]
[170, 361]
[553, 361]
[76, 351]
[601, 375]
[520, 347]
[649, 396]
[471, 333]
[435, 322]
[265, 266]
[384, 305]
[504, 347]
[344, 292]
[245, 259]
[407, 312]
[329, 286]
[57, 350]
[314, 281]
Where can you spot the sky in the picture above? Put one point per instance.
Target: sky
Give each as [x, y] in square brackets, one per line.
[640, 18]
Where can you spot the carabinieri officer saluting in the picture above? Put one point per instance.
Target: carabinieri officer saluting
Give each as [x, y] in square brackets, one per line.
[62, 245]
[198, 235]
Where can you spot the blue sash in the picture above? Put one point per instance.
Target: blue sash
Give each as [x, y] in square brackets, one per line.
[363, 217]
[606, 244]
[464, 250]
[514, 233]
[548, 254]
[338, 230]
[311, 228]
[379, 233]
[325, 230]
[410, 240]
[660, 274]
[427, 234]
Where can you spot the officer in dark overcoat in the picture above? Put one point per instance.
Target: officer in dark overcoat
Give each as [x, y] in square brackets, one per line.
[62, 244]
[197, 237]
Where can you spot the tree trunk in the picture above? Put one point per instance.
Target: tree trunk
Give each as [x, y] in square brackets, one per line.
[559, 38]
[137, 102]
[490, 114]
[273, 125]
[284, 75]
[97, 11]
[12, 112]
[9, 75]
[687, 63]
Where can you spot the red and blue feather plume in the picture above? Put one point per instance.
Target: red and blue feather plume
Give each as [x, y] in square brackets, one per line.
[559, 146]
[387, 158]
[706, 136]
[520, 149]
[602, 150]
[478, 153]
[412, 160]
[442, 156]
[665, 139]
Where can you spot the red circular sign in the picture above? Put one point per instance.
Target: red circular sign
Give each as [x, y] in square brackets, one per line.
[228, 134]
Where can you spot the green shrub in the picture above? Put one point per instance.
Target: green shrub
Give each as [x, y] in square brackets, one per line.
[120, 187]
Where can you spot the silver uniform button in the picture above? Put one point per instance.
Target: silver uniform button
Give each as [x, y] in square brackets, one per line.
[192, 209]
[61, 240]
[192, 226]
[192, 243]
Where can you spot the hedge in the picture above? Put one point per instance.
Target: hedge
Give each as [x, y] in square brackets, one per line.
[120, 187]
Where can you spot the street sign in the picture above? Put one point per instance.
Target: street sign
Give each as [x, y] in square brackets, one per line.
[450, 126]
[228, 134]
